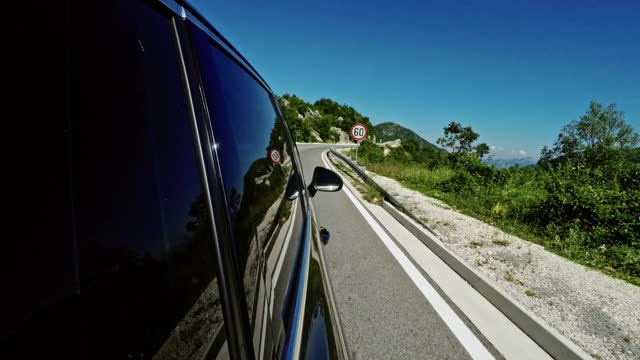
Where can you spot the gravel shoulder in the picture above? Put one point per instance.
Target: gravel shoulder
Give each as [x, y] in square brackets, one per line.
[599, 313]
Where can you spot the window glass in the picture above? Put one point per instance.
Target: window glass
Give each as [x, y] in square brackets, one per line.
[256, 170]
[135, 277]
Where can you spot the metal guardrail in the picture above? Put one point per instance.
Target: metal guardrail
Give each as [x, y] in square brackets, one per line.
[390, 199]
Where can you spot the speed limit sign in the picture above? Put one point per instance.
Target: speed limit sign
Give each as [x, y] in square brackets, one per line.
[274, 156]
[358, 132]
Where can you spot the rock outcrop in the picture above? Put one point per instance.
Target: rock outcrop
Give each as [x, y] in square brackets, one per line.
[391, 144]
[343, 136]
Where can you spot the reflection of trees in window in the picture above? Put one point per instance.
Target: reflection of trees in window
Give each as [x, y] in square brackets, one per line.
[264, 185]
[139, 304]
[261, 208]
[192, 276]
[192, 262]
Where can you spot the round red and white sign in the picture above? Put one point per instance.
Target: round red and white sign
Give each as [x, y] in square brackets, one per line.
[358, 132]
[274, 156]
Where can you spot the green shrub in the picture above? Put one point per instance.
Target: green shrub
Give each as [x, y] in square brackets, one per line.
[462, 181]
[629, 178]
[580, 197]
[499, 210]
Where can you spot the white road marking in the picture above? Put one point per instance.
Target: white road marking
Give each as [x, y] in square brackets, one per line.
[468, 340]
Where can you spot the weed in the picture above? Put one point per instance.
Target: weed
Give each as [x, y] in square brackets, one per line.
[369, 192]
[509, 277]
[530, 293]
[481, 262]
[500, 242]
[499, 210]
[372, 195]
[475, 244]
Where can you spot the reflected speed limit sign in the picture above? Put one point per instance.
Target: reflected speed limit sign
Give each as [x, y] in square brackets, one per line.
[274, 155]
[358, 132]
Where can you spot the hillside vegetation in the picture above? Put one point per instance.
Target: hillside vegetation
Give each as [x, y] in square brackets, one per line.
[323, 121]
[582, 200]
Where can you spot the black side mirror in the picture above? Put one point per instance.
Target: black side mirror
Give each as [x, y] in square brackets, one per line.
[324, 180]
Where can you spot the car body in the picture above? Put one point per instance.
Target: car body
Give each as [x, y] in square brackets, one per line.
[187, 227]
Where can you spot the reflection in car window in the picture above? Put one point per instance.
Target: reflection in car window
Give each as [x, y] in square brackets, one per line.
[266, 224]
[142, 260]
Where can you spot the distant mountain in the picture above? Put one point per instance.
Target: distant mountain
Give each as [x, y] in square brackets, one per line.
[507, 163]
[388, 131]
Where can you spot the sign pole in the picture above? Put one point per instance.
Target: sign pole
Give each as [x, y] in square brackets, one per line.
[357, 151]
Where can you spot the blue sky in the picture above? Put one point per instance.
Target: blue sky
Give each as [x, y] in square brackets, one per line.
[516, 71]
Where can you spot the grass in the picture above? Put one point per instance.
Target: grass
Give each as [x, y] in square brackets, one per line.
[372, 195]
[475, 244]
[502, 206]
[530, 293]
[500, 242]
[419, 178]
[509, 277]
[482, 262]
[368, 192]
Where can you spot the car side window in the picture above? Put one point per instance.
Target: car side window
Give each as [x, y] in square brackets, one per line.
[135, 278]
[258, 173]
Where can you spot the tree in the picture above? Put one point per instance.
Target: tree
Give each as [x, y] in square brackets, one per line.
[482, 150]
[458, 140]
[600, 138]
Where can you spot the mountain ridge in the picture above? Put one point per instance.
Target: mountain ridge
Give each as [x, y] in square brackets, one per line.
[388, 131]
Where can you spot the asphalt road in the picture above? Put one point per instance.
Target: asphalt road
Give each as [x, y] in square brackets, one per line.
[383, 313]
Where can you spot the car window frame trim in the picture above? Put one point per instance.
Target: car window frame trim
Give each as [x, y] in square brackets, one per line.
[211, 182]
[299, 282]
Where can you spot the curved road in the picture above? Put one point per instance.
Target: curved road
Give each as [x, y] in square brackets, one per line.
[383, 313]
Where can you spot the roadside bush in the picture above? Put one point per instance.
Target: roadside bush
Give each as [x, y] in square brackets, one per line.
[577, 196]
[622, 258]
[399, 155]
[370, 152]
[629, 179]
[461, 182]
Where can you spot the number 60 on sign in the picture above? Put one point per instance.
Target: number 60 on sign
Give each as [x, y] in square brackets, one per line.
[358, 132]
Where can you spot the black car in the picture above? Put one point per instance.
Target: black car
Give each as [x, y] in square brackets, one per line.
[185, 228]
